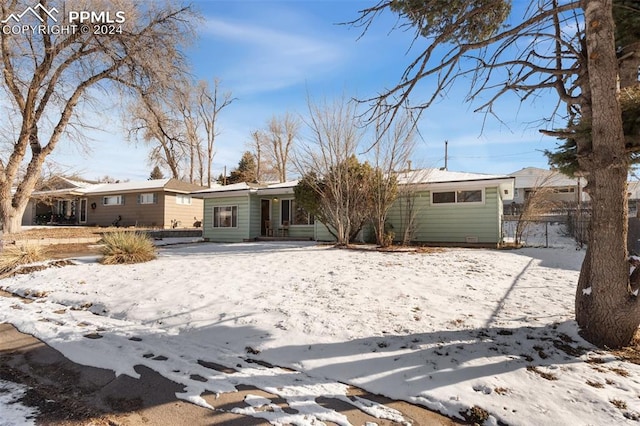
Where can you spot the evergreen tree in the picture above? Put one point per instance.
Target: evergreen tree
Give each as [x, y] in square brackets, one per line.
[626, 14]
[246, 171]
[156, 173]
[342, 199]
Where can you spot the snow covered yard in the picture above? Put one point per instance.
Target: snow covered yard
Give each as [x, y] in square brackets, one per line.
[449, 329]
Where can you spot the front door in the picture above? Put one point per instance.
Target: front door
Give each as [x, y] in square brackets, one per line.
[83, 210]
[265, 215]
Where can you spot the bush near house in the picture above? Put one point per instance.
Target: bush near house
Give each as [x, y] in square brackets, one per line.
[127, 247]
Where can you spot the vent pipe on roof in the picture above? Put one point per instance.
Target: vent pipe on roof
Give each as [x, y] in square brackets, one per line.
[446, 154]
[408, 165]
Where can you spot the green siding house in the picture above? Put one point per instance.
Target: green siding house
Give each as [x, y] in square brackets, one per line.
[438, 206]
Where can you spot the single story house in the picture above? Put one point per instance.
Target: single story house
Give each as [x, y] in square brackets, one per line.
[448, 208]
[158, 203]
[54, 202]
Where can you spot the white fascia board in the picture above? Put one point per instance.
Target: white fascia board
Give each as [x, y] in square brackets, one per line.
[275, 191]
[222, 194]
[468, 184]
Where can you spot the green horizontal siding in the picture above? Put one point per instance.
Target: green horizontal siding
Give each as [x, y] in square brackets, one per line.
[230, 235]
[321, 233]
[451, 223]
[255, 215]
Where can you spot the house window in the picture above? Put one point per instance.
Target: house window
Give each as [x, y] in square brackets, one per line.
[183, 199]
[113, 200]
[469, 196]
[444, 197]
[564, 190]
[454, 197]
[225, 217]
[150, 198]
[294, 214]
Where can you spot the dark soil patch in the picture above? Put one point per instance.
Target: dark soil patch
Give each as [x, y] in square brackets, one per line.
[57, 404]
[63, 251]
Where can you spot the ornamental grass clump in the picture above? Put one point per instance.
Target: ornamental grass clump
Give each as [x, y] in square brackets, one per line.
[127, 247]
[13, 256]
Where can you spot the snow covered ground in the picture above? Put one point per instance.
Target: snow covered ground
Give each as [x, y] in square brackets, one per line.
[449, 329]
[12, 411]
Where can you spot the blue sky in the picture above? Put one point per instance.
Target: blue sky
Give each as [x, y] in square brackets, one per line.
[272, 54]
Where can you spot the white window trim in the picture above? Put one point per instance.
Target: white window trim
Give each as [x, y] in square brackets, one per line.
[213, 217]
[186, 197]
[291, 213]
[456, 203]
[120, 199]
[154, 198]
[290, 200]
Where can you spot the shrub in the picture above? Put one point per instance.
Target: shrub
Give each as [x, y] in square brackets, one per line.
[13, 256]
[127, 247]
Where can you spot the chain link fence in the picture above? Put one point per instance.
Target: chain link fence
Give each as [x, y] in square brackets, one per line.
[548, 231]
[542, 231]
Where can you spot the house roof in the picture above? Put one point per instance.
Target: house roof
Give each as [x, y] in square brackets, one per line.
[234, 187]
[533, 177]
[61, 185]
[79, 183]
[247, 188]
[175, 185]
[438, 179]
[430, 176]
[167, 185]
[434, 178]
[102, 188]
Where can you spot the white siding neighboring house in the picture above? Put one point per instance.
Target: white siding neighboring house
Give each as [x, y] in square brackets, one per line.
[565, 189]
[633, 190]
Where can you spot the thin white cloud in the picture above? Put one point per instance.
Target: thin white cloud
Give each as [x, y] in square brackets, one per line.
[266, 58]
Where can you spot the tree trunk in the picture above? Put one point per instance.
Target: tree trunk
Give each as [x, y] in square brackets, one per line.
[606, 310]
[10, 216]
[629, 65]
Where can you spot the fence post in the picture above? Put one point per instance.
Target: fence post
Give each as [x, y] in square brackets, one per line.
[546, 234]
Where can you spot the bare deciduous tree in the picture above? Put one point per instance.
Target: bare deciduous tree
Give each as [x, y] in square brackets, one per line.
[185, 103]
[209, 107]
[566, 46]
[537, 202]
[391, 152]
[45, 77]
[407, 196]
[265, 171]
[409, 188]
[280, 136]
[155, 120]
[335, 186]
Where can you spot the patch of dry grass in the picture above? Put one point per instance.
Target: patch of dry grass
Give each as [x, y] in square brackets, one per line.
[543, 374]
[618, 403]
[127, 247]
[38, 233]
[13, 256]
